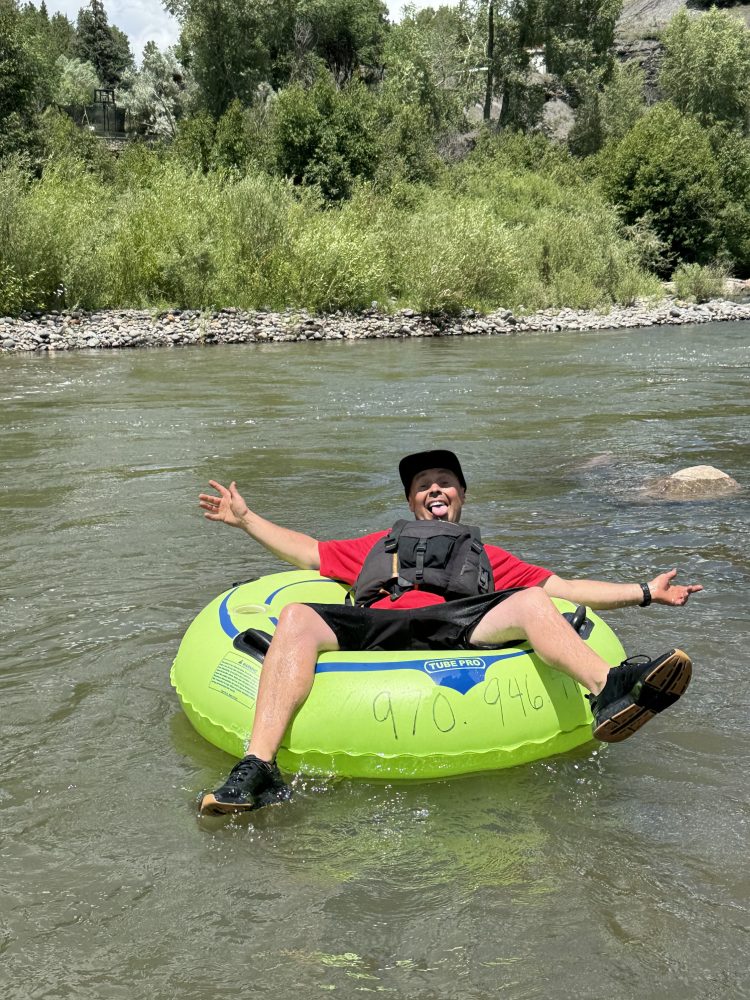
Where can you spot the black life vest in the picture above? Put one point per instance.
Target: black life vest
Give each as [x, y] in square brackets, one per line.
[438, 556]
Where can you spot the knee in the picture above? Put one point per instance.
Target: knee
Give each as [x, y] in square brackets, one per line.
[302, 626]
[296, 619]
[533, 601]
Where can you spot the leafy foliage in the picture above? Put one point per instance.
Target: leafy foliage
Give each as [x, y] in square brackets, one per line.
[622, 101]
[732, 153]
[701, 282]
[20, 74]
[194, 142]
[225, 44]
[76, 82]
[323, 136]
[664, 168]
[493, 233]
[345, 34]
[157, 95]
[231, 149]
[706, 69]
[233, 46]
[426, 69]
[301, 162]
[104, 46]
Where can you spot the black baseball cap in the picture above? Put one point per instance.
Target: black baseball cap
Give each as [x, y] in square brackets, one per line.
[411, 465]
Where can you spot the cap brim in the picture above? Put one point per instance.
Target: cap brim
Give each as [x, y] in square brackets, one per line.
[411, 465]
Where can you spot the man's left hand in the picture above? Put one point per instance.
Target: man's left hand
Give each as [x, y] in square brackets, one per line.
[664, 591]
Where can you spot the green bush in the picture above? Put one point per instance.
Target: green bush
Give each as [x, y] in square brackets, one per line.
[257, 221]
[324, 137]
[195, 141]
[53, 230]
[580, 260]
[451, 256]
[337, 260]
[732, 152]
[706, 67]
[231, 148]
[406, 147]
[62, 139]
[664, 168]
[623, 100]
[18, 281]
[699, 281]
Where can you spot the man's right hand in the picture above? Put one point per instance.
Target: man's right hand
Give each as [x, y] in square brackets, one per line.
[289, 546]
[229, 506]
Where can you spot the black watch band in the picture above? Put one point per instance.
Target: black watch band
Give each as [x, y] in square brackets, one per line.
[646, 596]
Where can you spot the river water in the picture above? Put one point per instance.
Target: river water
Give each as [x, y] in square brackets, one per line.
[619, 871]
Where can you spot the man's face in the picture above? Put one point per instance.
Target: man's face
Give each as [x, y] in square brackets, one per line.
[436, 495]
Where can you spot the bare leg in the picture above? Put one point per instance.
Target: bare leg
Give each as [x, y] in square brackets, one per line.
[287, 676]
[530, 614]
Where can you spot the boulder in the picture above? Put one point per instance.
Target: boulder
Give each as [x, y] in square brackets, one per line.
[699, 482]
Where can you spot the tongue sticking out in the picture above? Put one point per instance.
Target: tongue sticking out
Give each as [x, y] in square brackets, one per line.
[439, 510]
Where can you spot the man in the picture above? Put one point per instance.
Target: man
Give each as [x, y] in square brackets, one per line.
[477, 597]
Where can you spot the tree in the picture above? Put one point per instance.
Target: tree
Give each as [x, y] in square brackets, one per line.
[425, 67]
[61, 35]
[587, 134]
[447, 41]
[623, 100]
[607, 111]
[664, 171]
[233, 46]
[732, 152]
[45, 41]
[706, 68]
[76, 82]
[489, 89]
[324, 137]
[224, 43]
[195, 141]
[155, 96]
[578, 35]
[575, 39]
[19, 80]
[345, 34]
[105, 47]
[509, 33]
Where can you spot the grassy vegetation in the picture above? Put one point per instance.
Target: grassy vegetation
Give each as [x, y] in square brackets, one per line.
[699, 282]
[491, 232]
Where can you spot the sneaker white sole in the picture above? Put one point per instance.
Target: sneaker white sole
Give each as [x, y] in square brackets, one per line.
[669, 679]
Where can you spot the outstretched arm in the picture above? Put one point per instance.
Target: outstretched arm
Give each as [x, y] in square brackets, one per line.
[601, 596]
[230, 507]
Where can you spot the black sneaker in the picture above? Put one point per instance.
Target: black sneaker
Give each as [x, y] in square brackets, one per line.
[251, 783]
[636, 690]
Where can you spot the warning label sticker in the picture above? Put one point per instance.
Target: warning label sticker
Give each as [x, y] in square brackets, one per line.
[237, 679]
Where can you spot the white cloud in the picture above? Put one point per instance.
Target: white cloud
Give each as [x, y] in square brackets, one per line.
[146, 20]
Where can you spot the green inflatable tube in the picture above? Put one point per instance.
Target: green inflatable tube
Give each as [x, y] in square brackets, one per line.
[383, 715]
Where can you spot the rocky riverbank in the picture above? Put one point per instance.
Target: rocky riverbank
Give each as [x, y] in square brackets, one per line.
[126, 328]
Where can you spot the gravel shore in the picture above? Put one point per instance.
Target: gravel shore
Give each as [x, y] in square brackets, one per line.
[124, 328]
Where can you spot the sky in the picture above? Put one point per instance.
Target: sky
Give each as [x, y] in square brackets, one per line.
[146, 20]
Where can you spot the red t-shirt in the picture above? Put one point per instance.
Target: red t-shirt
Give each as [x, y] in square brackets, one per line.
[343, 560]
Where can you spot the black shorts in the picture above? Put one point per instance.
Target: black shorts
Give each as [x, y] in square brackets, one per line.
[438, 626]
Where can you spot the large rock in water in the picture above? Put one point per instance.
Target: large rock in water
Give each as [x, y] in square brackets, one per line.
[699, 482]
